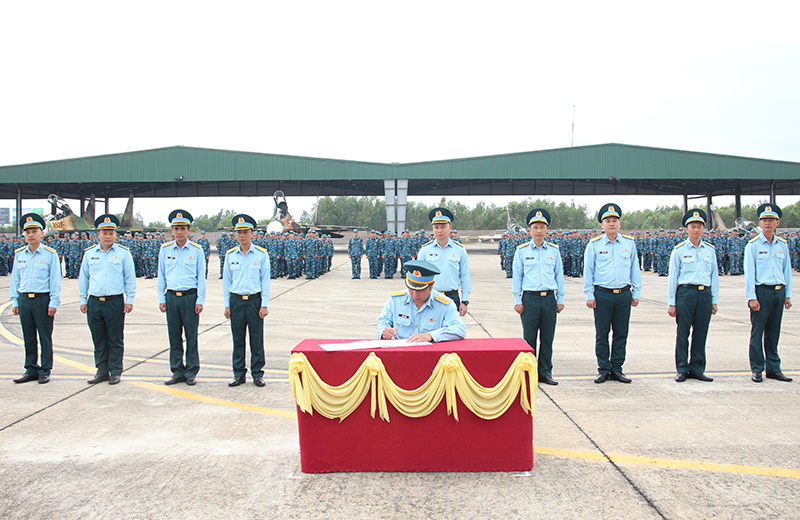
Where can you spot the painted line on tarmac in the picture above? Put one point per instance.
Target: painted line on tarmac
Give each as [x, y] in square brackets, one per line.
[671, 463]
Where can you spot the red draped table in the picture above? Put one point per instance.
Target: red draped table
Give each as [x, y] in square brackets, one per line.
[436, 442]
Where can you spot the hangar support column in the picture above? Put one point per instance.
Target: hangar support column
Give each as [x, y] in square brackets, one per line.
[396, 191]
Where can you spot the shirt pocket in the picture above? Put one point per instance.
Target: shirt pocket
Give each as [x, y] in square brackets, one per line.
[115, 265]
[403, 322]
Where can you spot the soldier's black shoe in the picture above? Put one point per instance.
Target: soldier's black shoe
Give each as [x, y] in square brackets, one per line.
[259, 381]
[619, 376]
[548, 380]
[44, 379]
[174, 380]
[26, 378]
[220, 278]
[236, 381]
[601, 378]
[756, 377]
[190, 380]
[681, 377]
[700, 377]
[98, 378]
[779, 376]
[113, 380]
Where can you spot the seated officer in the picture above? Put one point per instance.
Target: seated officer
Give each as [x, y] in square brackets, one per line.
[421, 313]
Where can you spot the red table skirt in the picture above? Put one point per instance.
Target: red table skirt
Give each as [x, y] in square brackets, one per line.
[436, 442]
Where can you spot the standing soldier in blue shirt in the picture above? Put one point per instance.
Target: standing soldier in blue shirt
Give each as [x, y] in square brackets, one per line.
[245, 289]
[371, 250]
[538, 289]
[206, 249]
[612, 283]
[35, 292]
[768, 285]
[106, 288]
[450, 258]
[222, 246]
[692, 296]
[181, 294]
[355, 248]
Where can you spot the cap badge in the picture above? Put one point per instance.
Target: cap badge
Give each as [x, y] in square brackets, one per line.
[417, 274]
[179, 215]
[107, 219]
[611, 208]
[438, 213]
[696, 214]
[538, 213]
[241, 220]
[768, 208]
[29, 219]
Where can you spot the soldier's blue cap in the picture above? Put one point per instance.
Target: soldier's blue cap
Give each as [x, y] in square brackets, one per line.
[769, 210]
[538, 215]
[32, 220]
[355, 230]
[660, 230]
[608, 210]
[243, 221]
[180, 217]
[694, 215]
[107, 221]
[419, 274]
[202, 232]
[440, 216]
[421, 230]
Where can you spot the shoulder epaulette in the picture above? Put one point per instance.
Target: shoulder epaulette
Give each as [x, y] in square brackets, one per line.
[679, 244]
[596, 238]
[428, 242]
[752, 239]
[397, 293]
[261, 249]
[628, 236]
[168, 243]
[709, 244]
[120, 245]
[230, 250]
[94, 245]
[781, 239]
[552, 244]
[523, 245]
[48, 248]
[20, 249]
[443, 299]
[195, 244]
[457, 242]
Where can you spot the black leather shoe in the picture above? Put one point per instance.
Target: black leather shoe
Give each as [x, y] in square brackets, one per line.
[44, 379]
[756, 377]
[113, 380]
[681, 377]
[601, 378]
[190, 381]
[26, 378]
[174, 380]
[236, 381]
[98, 378]
[619, 376]
[700, 377]
[779, 376]
[548, 380]
[259, 381]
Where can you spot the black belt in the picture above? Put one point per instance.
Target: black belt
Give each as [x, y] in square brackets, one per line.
[34, 294]
[540, 293]
[776, 287]
[693, 286]
[182, 293]
[245, 296]
[106, 298]
[615, 291]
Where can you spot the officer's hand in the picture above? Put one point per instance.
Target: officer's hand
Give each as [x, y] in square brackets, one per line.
[754, 305]
[635, 302]
[592, 304]
[15, 311]
[420, 337]
[262, 312]
[389, 333]
[51, 311]
[713, 308]
[672, 311]
[462, 309]
[519, 308]
[787, 303]
[128, 308]
[198, 309]
[227, 313]
[559, 307]
[162, 307]
[84, 308]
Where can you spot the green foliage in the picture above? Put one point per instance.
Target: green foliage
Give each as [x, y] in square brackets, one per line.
[212, 222]
[157, 224]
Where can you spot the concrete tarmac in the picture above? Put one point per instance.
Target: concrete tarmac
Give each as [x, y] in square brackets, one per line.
[651, 449]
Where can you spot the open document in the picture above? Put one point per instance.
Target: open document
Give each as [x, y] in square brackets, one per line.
[370, 343]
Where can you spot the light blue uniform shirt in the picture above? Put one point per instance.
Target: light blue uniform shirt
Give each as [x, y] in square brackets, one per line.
[180, 269]
[246, 274]
[37, 272]
[612, 265]
[767, 264]
[537, 269]
[695, 265]
[453, 266]
[438, 317]
[107, 273]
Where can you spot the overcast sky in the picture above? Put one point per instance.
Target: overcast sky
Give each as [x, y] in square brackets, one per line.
[396, 81]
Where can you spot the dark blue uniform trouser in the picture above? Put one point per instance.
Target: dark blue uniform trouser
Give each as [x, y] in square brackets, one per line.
[612, 311]
[693, 308]
[182, 319]
[539, 319]
[355, 263]
[34, 319]
[765, 330]
[106, 323]
[244, 318]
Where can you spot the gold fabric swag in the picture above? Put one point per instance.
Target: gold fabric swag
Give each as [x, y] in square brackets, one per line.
[449, 378]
